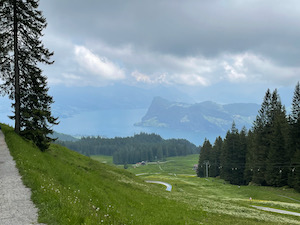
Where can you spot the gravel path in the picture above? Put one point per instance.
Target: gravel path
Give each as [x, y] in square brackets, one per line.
[16, 207]
[276, 210]
[169, 186]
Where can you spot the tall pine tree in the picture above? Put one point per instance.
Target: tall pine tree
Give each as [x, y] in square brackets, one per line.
[21, 31]
[233, 157]
[204, 158]
[261, 140]
[294, 151]
[250, 164]
[277, 162]
[215, 157]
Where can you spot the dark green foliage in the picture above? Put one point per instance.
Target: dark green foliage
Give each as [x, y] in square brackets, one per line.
[141, 147]
[204, 158]
[215, 157]
[269, 154]
[261, 140]
[22, 49]
[233, 156]
[226, 158]
[294, 178]
[294, 141]
[277, 161]
[249, 165]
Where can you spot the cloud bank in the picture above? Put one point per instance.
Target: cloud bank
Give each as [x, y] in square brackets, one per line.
[180, 43]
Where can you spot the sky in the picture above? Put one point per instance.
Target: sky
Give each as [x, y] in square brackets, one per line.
[225, 51]
[196, 50]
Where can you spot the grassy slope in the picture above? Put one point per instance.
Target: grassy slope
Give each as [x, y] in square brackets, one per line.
[225, 203]
[103, 159]
[69, 188]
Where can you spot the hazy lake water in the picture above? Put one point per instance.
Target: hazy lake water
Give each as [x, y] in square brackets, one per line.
[106, 123]
[116, 123]
[112, 123]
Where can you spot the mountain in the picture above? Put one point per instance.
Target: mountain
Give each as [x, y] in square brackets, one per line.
[63, 137]
[70, 101]
[206, 117]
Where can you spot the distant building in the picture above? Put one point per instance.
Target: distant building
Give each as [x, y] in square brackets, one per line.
[195, 167]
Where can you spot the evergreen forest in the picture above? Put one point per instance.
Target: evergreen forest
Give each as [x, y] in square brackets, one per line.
[267, 154]
[140, 147]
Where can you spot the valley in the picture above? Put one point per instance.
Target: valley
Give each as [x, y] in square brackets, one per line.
[230, 204]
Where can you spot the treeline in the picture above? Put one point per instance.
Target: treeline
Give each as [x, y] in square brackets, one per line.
[268, 154]
[140, 147]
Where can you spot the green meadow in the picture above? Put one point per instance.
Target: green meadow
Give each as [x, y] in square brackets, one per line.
[173, 165]
[103, 159]
[69, 188]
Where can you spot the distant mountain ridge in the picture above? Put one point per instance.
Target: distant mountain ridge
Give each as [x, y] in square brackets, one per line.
[63, 137]
[205, 117]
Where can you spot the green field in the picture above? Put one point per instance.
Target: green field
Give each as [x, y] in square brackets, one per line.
[173, 165]
[69, 188]
[103, 159]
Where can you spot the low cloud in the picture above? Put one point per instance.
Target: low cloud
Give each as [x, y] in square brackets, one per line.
[143, 78]
[170, 79]
[190, 80]
[199, 71]
[101, 67]
[139, 66]
[252, 68]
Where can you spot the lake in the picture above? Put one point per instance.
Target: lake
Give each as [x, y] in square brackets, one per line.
[118, 123]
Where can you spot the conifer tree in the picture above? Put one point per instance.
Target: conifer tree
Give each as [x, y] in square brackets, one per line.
[215, 157]
[295, 112]
[241, 156]
[294, 143]
[35, 111]
[204, 157]
[294, 179]
[21, 28]
[277, 162]
[261, 141]
[249, 165]
[233, 158]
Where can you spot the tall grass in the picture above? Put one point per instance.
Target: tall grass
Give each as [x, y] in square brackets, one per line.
[69, 188]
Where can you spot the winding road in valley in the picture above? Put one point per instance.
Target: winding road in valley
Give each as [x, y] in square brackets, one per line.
[169, 186]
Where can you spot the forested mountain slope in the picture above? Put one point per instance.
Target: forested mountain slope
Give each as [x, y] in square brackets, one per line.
[206, 117]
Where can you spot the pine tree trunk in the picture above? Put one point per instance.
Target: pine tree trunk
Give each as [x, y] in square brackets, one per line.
[16, 70]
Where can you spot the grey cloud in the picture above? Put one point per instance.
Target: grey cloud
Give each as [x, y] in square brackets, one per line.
[207, 28]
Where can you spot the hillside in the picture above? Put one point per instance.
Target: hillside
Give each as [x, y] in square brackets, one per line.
[69, 188]
[63, 137]
[205, 118]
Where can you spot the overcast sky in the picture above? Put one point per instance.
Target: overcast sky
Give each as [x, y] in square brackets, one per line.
[226, 47]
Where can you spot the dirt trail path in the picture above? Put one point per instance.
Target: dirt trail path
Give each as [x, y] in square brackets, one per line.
[276, 210]
[16, 207]
[169, 186]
